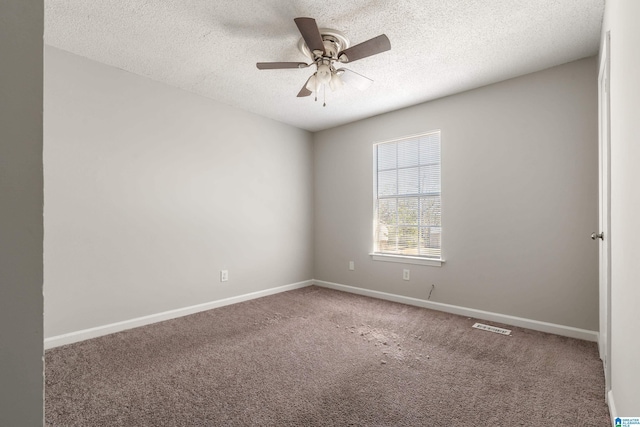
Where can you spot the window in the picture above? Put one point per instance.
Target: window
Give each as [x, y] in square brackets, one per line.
[407, 211]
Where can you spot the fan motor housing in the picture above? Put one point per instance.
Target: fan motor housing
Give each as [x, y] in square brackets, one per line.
[334, 42]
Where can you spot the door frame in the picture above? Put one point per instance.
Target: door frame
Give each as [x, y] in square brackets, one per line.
[604, 209]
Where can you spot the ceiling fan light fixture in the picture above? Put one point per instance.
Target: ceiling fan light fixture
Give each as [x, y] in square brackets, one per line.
[326, 47]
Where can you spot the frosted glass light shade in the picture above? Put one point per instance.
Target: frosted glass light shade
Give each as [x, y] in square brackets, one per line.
[323, 75]
[336, 82]
[312, 84]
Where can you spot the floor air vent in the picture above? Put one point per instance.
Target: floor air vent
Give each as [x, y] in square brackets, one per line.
[492, 329]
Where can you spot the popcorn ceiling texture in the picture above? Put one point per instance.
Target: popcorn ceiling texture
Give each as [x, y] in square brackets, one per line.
[438, 48]
[318, 357]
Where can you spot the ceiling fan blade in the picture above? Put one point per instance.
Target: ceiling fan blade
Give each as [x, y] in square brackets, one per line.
[304, 91]
[370, 47]
[310, 33]
[354, 79]
[280, 65]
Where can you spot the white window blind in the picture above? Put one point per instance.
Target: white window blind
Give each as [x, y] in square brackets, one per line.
[408, 197]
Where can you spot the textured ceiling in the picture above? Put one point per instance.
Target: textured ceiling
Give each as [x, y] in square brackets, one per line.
[438, 47]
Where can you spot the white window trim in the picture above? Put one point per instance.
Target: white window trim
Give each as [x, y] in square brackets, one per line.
[407, 259]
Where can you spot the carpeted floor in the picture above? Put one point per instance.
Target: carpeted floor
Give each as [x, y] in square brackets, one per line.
[318, 357]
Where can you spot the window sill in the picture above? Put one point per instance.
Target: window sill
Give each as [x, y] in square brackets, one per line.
[405, 259]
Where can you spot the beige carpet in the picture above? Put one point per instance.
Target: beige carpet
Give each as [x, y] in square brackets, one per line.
[318, 357]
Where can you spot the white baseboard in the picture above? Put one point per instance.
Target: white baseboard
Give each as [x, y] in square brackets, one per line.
[612, 407]
[72, 337]
[536, 325]
[86, 334]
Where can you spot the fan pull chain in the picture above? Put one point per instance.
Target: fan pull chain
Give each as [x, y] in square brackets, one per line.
[324, 95]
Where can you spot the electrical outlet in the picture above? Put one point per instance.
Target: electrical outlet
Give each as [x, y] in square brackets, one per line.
[224, 275]
[406, 274]
[352, 265]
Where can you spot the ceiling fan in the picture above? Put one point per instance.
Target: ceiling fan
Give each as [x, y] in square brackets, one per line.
[326, 47]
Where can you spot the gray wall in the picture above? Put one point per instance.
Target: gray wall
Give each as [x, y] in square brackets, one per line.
[520, 198]
[150, 191]
[21, 29]
[621, 18]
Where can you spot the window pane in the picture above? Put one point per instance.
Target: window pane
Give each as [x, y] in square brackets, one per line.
[408, 153]
[408, 240]
[386, 156]
[430, 149]
[409, 181]
[430, 211]
[390, 246]
[387, 212]
[430, 179]
[430, 239]
[408, 211]
[383, 237]
[388, 183]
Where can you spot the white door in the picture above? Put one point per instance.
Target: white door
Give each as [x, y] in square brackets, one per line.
[603, 236]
